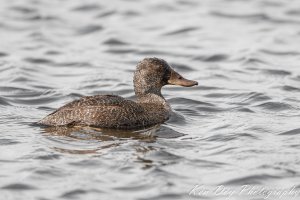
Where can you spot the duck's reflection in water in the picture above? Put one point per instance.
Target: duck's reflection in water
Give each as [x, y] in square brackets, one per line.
[93, 133]
[92, 140]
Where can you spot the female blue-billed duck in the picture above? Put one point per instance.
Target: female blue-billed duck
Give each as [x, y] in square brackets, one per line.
[110, 111]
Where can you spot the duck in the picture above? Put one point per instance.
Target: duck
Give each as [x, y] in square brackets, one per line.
[114, 112]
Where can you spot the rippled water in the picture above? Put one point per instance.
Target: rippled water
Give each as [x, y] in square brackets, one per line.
[240, 126]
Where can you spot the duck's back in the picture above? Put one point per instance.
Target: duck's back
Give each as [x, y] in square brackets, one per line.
[107, 111]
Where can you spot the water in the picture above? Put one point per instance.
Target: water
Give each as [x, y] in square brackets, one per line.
[240, 126]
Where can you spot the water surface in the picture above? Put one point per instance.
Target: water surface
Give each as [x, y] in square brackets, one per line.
[240, 126]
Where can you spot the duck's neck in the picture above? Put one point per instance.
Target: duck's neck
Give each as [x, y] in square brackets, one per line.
[153, 98]
[149, 92]
[150, 98]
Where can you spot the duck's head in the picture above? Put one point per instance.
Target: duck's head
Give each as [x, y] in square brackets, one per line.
[153, 73]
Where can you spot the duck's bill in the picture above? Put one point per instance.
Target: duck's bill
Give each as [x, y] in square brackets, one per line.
[177, 79]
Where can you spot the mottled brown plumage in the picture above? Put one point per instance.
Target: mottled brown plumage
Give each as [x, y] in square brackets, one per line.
[110, 111]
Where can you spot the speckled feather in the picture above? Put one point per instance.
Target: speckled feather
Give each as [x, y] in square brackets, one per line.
[107, 111]
[110, 111]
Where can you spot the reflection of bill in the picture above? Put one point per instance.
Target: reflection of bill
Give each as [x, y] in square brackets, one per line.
[245, 190]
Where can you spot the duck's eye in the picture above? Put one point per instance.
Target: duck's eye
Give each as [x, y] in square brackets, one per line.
[180, 77]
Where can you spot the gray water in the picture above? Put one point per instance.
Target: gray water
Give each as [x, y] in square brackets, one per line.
[239, 127]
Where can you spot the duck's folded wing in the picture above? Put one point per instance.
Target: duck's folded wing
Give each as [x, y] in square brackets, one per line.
[100, 110]
[97, 100]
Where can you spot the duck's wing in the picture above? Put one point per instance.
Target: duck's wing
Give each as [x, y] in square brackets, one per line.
[97, 100]
[99, 110]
